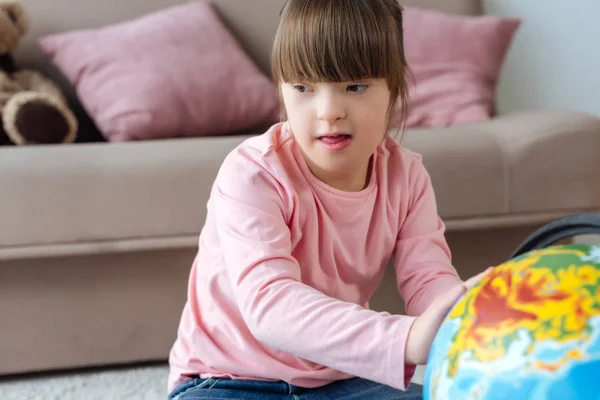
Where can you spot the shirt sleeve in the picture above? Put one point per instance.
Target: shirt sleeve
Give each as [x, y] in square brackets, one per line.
[251, 208]
[422, 258]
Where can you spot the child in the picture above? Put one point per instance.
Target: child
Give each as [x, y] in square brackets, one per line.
[302, 222]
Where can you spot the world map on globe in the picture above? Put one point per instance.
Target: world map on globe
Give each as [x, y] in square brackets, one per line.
[529, 330]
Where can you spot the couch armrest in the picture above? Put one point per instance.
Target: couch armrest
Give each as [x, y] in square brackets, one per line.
[522, 168]
[552, 160]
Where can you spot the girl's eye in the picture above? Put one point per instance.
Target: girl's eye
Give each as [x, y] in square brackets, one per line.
[301, 88]
[357, 88]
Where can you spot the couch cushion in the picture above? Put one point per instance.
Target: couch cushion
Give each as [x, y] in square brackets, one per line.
[466, 165]
[455, 63]
[513, 166]
[177, 72]
[107, 191]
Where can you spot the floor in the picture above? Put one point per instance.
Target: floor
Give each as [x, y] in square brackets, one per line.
[141, 382]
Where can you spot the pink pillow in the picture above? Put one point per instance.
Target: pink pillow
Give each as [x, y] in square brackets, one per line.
[177, 72]
[455, 62]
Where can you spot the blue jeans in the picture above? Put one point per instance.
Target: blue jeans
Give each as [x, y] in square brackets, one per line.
[351, 389]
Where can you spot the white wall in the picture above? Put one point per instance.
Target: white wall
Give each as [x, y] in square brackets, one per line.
[554, 61]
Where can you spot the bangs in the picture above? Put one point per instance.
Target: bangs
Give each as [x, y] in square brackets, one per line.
[334, 41]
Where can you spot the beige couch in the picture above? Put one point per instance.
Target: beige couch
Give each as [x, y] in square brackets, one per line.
[97, 239]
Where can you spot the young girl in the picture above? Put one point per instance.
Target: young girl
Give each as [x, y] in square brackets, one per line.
[302, 222]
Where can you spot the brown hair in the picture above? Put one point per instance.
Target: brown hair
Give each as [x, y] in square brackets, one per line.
[341, 41]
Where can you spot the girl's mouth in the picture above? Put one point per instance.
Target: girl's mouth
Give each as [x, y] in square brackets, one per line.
[335, 142]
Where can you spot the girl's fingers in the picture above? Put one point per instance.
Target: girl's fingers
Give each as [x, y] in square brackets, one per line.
[446, 301]
[469, 283]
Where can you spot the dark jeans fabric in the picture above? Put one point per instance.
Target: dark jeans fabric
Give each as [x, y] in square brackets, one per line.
[351, 389]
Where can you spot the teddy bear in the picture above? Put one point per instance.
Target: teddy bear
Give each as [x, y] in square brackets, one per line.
[33, 109]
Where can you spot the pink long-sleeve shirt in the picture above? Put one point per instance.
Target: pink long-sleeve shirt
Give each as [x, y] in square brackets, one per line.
[286, 265]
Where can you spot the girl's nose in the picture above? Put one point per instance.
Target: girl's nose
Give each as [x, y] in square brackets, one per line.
[330, 108]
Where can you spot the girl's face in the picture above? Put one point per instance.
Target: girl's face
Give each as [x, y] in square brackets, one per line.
[338, 126]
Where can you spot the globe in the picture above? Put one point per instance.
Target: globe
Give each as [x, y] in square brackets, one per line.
[530, 329]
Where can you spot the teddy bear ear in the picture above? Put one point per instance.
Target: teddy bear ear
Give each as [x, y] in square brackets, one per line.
[17, 14]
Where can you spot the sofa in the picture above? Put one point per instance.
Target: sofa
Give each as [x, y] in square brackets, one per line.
[98, 237]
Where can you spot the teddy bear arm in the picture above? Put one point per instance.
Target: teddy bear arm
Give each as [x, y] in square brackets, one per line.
[8, 85]
[36, 82]
[39, 113]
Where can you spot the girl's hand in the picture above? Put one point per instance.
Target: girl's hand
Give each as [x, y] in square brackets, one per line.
[427, 324]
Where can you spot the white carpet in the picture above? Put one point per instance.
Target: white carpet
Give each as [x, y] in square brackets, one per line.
[144, 383]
